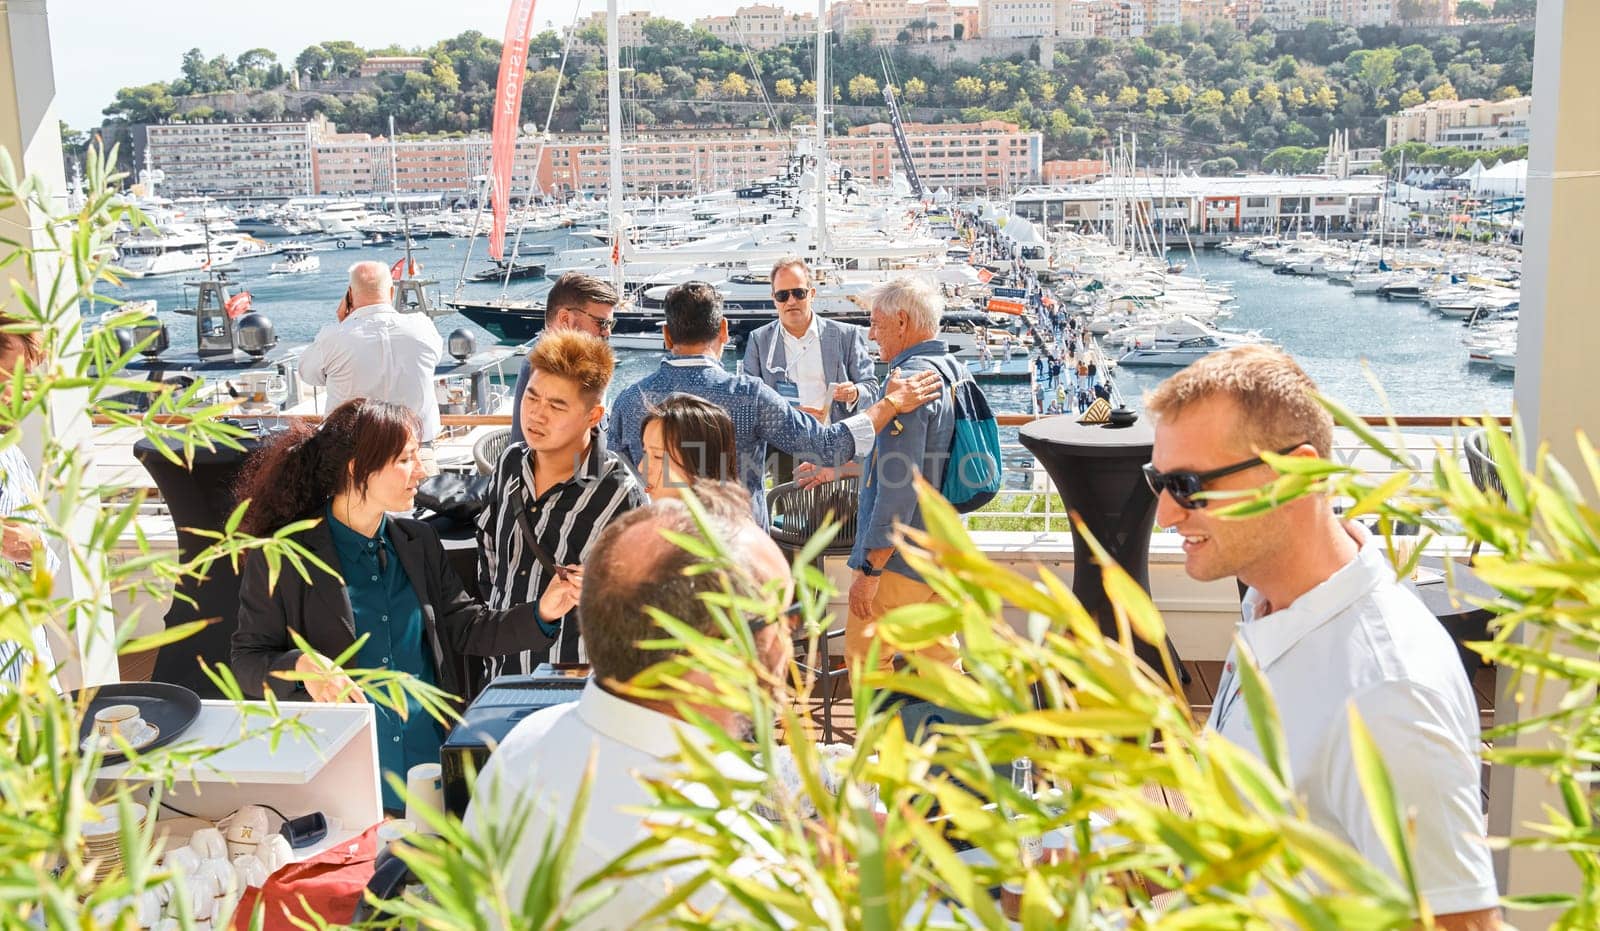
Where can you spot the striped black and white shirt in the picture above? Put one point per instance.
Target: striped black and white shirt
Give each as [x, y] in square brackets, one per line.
[566, 520]
[17, 492]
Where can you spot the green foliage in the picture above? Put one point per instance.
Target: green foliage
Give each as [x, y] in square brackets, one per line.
[1328, 77]
[1105, 734]
[52, 787]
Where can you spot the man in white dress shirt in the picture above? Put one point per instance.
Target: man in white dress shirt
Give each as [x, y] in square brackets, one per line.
[376, 352]
[1327, 623]
[809, 359]
[536, 772]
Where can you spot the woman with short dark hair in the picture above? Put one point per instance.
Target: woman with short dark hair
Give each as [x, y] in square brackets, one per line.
[394, 586]
[685, 439]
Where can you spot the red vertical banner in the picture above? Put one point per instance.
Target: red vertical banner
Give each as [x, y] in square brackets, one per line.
[507, 115]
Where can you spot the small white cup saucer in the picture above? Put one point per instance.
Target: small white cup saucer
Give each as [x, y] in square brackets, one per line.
[143, 737]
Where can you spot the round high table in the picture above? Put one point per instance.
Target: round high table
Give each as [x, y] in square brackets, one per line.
[1446, 598]
[1096, 468]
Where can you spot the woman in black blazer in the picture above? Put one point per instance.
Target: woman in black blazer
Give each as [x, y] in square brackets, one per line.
[395, 585]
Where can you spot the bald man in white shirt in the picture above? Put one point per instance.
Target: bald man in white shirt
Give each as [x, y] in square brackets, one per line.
[376, 352]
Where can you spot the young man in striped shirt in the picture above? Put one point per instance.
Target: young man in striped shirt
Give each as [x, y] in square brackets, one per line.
[552, 494]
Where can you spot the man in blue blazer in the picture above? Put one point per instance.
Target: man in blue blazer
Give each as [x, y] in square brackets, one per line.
[819, 365]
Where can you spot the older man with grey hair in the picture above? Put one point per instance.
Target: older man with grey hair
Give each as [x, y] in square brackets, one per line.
[905, 325]
[376, 352]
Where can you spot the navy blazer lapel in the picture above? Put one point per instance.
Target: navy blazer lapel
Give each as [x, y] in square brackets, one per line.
[411, 560]
[335, 598]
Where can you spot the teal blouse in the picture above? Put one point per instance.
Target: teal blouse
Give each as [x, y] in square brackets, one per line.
[389, 615]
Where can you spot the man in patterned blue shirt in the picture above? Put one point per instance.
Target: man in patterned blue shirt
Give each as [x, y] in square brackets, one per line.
[696, 334]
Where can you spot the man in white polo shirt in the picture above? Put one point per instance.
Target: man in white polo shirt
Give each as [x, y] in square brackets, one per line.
[1327, 624]
[536, 772]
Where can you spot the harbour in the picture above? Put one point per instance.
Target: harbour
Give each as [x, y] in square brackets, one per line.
[1354, 344]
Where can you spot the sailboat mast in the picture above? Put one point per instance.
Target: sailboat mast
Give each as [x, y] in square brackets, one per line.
[822, 131]
[394, 194]
[614, 128]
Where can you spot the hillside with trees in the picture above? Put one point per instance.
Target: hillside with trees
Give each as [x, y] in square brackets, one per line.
[1212, 99]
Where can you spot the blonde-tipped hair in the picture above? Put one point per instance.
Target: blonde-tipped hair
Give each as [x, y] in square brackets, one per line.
[578, 357]
[914, 296]
[1276, 398]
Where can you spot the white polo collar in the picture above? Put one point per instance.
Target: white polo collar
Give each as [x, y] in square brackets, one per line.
[699, 361]
[368, 310]
[633, 725]
[1272, 636]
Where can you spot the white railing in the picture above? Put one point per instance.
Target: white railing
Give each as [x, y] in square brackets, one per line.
[1023, 504]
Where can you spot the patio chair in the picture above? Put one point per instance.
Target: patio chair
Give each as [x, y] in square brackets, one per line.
[1485, 474]
[796, 515]
[486, 451]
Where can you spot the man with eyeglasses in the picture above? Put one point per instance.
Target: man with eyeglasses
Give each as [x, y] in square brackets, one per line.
[575, 302]
[1326, 622]
[821, 365]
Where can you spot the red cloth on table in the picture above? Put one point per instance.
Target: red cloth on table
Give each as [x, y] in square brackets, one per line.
[331, 884]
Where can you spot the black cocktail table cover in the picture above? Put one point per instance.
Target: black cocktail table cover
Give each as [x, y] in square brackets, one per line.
[1096, 469]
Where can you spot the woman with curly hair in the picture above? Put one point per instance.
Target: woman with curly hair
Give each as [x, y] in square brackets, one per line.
[395, 591]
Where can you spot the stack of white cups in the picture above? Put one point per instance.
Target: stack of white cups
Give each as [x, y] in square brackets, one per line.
[424, 789]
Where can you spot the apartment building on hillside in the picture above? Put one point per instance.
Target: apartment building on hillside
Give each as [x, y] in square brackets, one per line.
[1017, 19]
[924, 20]
[1465, 124]
[234, 161]
[761, 26]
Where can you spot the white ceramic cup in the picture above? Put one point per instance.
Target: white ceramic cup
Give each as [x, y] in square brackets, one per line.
[274, 851]
[149, 908]
[247, 829]
[200, 891]
[250, 870]
[118, 719]
[181, 860]
[221, 874]
[207, 843]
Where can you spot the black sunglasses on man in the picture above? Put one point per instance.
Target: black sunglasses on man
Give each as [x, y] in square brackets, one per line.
[1184, 484]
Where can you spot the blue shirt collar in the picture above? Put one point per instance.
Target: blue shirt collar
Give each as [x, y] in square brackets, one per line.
[346, 536]
[928, 347]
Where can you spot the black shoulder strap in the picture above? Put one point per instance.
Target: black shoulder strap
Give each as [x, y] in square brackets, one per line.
[532, 539]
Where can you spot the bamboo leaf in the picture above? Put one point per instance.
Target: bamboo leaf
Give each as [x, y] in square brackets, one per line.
[1385, 807]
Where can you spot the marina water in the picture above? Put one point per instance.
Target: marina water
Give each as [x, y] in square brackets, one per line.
[1344, 340]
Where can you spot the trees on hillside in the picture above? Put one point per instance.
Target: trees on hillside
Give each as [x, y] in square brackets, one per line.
[1206, 94]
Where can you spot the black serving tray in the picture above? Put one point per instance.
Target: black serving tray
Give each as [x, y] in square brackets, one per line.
[170, 707]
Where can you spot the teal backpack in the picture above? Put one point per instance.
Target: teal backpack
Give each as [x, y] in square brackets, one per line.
[972, 474]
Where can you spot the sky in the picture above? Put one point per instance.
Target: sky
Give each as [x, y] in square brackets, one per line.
[101, 45]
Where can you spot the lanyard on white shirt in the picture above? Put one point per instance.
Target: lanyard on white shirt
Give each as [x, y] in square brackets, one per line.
[782, 336]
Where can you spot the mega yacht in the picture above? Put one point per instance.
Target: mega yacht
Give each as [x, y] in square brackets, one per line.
[173, 254]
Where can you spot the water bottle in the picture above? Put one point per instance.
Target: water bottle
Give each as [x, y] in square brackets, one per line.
[1030, 847]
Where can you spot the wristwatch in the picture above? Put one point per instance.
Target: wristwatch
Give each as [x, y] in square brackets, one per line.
[869, 570]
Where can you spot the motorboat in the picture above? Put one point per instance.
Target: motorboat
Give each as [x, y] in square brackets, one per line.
[502, 271]
[152, 256]
[1176, 342]
[297, 260]
[1176, 355]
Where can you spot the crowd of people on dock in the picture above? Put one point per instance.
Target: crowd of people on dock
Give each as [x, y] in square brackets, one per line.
[575, 545]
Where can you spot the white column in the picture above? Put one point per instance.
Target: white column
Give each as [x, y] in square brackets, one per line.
[1554, 392]
[31, 135]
